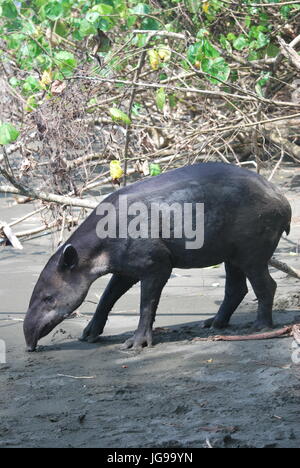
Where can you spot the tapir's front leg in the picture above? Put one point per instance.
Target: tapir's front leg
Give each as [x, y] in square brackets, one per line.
[151, 289]
[117, 286]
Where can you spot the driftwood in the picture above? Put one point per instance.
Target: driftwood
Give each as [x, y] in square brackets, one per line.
[289, 330]
[6, 231]
[284, 267]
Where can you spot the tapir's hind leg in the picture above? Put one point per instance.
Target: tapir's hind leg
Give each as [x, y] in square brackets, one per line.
[264, 287]
[235, 291]
[117, 286]
[151, 289]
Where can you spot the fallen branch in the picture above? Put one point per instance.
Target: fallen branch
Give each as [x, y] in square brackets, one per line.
[49, 197]
[204, 92]
[284, 267]
[289, 53]
[7, 233]
[290, 330]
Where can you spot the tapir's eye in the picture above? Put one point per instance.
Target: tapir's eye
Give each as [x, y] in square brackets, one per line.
[48, 299]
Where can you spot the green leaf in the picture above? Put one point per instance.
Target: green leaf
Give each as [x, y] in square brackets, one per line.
[209, 50]
[200, 50]
[53, 10]
[263, 80]
[31, 85]
[217, 68]
[202, 33]
[66, 62]
[31, 104]
[195, 52]
[172, 100]
[140, 9]
[86, 28]
[9, 10]
[248, 21]
[119, 116]
[92, 16]
[8, 134]
[225, 43]
[14, 82]
[262, 40]
[103, 9]
[155, 169]
[240, 43]
[130, 21]
[160, 99]
[272, 50]
[150, 24]
[231, 37]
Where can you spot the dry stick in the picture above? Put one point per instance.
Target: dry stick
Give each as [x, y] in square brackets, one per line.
[204, 92]
[283, 332]
[245, 125]
[279, 57]
[289, 52]
[50, 197]
[20, 220]
[277, 165]
[284, 267]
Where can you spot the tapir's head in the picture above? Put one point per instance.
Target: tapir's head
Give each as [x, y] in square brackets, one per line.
[61, 288]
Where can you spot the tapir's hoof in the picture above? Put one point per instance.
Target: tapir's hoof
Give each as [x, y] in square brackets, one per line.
[260, 325]
[137, 343]
[214, 323]
[92, 332]
[89, 338]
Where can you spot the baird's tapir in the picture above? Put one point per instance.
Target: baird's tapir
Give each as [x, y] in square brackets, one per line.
[244, 218]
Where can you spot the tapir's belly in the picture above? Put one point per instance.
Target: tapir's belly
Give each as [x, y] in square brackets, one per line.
[196, 258]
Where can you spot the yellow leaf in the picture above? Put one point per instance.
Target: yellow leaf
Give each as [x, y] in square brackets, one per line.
[164, 53]
[205, 7]
[154, 59]
[46, 78]
[116, 170]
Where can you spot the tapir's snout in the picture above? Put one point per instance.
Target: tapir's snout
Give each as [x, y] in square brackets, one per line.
[30, 333]
[37, 326]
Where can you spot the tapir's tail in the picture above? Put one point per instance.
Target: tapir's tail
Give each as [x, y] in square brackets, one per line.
[287, 228]
[288, 217]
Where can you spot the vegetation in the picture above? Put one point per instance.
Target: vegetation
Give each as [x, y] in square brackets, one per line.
[95, 91]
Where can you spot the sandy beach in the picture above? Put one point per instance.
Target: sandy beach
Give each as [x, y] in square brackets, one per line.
[179, 393]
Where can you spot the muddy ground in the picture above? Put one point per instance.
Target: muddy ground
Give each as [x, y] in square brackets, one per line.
[180, 393]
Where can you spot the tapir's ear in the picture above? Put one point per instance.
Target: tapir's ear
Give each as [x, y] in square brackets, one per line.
[69, 257]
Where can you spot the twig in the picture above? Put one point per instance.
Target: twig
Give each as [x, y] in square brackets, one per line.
[277, 165]
[284, 267]
[282, 332]
[74, 377]
[289, 52]
[246, 125]
[20, 220]
[50, 197]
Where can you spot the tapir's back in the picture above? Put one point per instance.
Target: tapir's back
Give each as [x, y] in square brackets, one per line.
[242, 210]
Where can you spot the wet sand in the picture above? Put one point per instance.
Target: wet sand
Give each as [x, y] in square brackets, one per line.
[180, 393]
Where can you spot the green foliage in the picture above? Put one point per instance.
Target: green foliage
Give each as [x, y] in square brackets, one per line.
[160, 99]
[8, 133]
[56, 36]
[155, 169]
[119, 116]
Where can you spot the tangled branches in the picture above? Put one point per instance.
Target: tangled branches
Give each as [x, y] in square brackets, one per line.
[180, 106]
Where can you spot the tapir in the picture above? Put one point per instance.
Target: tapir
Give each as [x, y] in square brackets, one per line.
[244, 217]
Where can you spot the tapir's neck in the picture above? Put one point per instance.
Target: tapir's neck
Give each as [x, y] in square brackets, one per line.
[92, 250]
